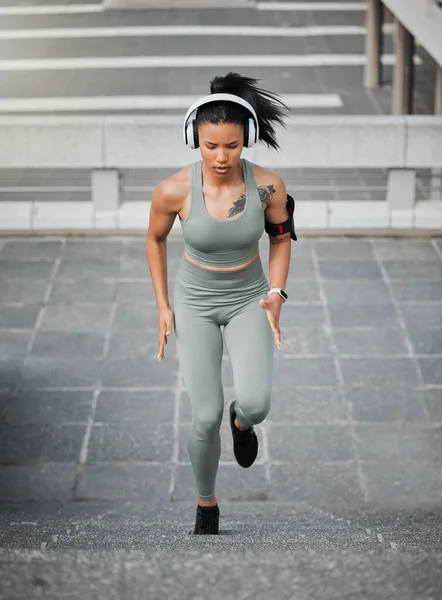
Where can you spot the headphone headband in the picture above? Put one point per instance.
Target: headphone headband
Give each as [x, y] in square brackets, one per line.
[219, 98]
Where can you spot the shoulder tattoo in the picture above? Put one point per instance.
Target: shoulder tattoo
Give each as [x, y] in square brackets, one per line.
[265, 195]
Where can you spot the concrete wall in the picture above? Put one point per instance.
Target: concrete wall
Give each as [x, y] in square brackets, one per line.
[138, 142]
[105, 145]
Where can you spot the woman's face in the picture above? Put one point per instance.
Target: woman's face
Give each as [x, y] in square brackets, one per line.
[221, 145]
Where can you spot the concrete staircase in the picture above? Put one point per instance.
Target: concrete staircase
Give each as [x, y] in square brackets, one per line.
[264, 551]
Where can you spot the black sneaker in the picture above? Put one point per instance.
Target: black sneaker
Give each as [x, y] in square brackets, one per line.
[207, 520]
[245, 443]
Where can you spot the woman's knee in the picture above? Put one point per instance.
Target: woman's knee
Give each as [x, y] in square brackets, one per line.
[255, 407]
[207, 425]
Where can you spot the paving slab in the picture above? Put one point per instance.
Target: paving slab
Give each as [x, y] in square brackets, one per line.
[306, 341]
[389, 404]
[20, 407]
[22, 291]
[14, 344]
[70, 343]
[407, 291]
[379, 372]
[43, 250]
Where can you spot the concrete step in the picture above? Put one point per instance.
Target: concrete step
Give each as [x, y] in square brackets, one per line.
[264, 550]
[201, 574]
[179, 4]
[263, 526]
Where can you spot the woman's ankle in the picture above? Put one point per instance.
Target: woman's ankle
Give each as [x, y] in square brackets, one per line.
[238, 426]
[211, 502]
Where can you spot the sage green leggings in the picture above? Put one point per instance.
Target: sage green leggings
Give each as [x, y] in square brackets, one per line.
[208, 307]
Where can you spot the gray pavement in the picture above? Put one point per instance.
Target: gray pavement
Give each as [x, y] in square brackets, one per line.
[97, 496]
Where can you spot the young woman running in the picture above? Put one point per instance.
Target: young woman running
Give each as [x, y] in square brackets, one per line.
[221, 292]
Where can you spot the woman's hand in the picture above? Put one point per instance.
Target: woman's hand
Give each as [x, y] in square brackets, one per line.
[272, 306]
[165, 327]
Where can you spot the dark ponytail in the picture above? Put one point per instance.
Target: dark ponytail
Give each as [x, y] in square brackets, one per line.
[268, 107]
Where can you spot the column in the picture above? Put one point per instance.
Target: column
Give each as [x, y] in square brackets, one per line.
[403, 72]
[105, 186]
[436, 174]
[373, 44]
[401, 191]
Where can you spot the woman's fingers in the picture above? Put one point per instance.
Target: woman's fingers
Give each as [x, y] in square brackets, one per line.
[169, 324]
[275, 329]
[161, 342]
[273, 322]
[277, 335]
[165, 329]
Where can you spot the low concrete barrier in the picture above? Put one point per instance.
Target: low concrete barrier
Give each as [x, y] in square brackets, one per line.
[105, 144]
[404, 142]
[32, 142]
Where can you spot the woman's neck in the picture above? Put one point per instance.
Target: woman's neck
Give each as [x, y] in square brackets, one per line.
[235, 176]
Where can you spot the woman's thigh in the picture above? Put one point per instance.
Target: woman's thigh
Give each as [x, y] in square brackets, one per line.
[250, 345]
[200, 350]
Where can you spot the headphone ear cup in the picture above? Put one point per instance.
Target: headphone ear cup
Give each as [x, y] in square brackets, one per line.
[250, 133]
[192, 135]
[246, 133]
[196, 142]
[189, 135]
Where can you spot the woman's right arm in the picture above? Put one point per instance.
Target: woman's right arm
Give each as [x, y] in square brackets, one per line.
[163, 211]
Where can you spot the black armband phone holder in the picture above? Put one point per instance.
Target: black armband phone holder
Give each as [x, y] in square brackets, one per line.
[287, 226]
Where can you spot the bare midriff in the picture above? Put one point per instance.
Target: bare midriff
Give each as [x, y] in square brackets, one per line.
[221, 269]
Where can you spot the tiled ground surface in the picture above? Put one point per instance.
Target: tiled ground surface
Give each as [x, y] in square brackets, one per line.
[88, 413]
[94, 471]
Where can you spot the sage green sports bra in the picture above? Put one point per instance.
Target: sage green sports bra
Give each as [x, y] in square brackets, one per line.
[227, 242]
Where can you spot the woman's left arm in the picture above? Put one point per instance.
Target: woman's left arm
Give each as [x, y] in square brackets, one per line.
[280, 245]
[279, 255]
